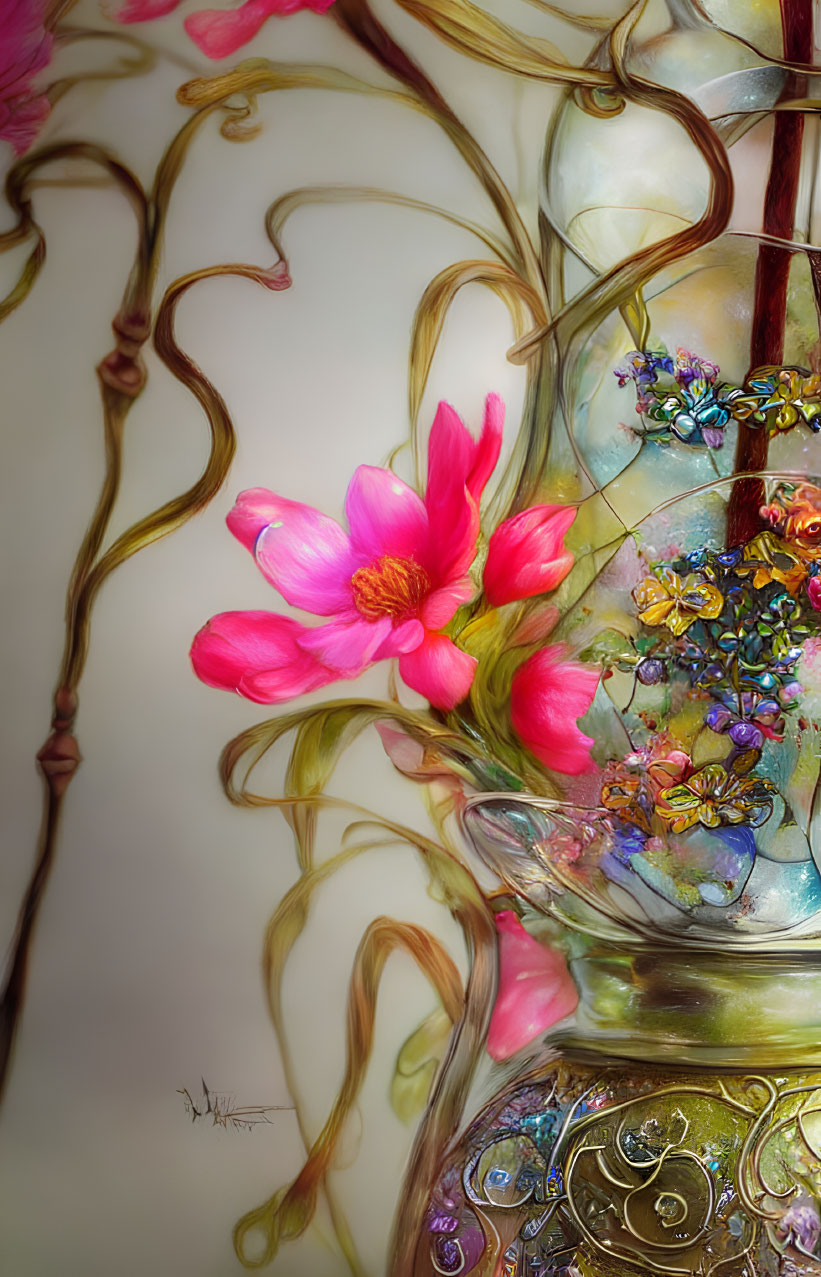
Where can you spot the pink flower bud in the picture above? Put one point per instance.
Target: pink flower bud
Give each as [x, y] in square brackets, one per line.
[526, 554]
[547, 697]
[535, 989]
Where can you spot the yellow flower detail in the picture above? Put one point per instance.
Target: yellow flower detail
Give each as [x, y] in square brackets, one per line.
[799, 398]
[676, 602]
[713, 797]
[774, 561]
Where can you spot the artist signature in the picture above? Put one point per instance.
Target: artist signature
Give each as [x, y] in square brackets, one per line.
[224, 1111]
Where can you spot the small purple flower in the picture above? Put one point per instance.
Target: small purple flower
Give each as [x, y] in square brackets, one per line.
[651, 671]
[790, 693]
[719, 718]
[440, 1222]
[690, 368]
[801, 1224]
[745, 735]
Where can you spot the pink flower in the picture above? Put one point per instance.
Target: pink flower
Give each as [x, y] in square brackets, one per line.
[814, 592]
[535, 989]
[25, 48]
[219, 32]
[143, 10]
[526, 554]
[547, 697]
[257, 654]
[389, 585]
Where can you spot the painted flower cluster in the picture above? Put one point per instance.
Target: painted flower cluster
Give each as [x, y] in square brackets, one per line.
[726, 631]
[681, 397]
[390, 586]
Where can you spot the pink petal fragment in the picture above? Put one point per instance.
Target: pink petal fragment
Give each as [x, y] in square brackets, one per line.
[547, 697]
[404, 637]
[487, 450]
[25, 49]
[386, 516]
[535, 989]
[526, 554]
[143, 10]
[302, 552]
[219, 33]
[439, 607]
[458, 469]
[257, 655]
[347, 646]
[439, 671]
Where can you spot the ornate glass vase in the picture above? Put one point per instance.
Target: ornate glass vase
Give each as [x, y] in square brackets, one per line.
[672, 1123]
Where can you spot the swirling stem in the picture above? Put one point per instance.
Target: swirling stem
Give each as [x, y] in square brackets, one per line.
[773, 267]
[122, 377]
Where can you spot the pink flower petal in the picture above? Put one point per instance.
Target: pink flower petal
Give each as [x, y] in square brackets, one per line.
[142, 10]
[219, 33]
[535, 989]
[386, 516]
[252, 511]
[257, 655]
[404, 637]
[439, 671]
[526, 554]
[347, 646]
[547, 697]
[458, 468]
[487, 450]
[302, 552]
[25, 49]
[440, 606]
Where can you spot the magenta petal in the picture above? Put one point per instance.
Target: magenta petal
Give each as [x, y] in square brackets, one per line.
[347, 646]
[404, 637]
[535, 989]
[272, 687]
[257, 655]
[487, 450]
[386, 516]
[25, 49]
[547, 697]
[221, 32]
[439, 671]
[144, 10]
[440, 606]
[526, 554]
[458, 468]
[252, 511]
[302, 552]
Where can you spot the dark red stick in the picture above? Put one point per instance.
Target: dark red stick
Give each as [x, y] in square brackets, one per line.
[772, 268]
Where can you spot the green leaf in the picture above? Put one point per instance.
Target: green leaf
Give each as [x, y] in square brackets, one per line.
[417, 1063]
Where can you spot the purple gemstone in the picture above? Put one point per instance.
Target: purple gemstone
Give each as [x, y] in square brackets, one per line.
[458, 1254]
[439, 1222]
[746, 735]
[448, 1255]
[718, 718]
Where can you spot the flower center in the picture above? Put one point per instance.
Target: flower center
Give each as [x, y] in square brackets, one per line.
[390, 587]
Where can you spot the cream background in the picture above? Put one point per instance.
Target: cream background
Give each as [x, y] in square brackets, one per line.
[145, 972]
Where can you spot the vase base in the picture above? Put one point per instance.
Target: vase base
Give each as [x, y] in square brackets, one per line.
[585, 1170]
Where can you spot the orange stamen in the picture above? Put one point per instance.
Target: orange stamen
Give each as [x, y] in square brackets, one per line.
[390, 587]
